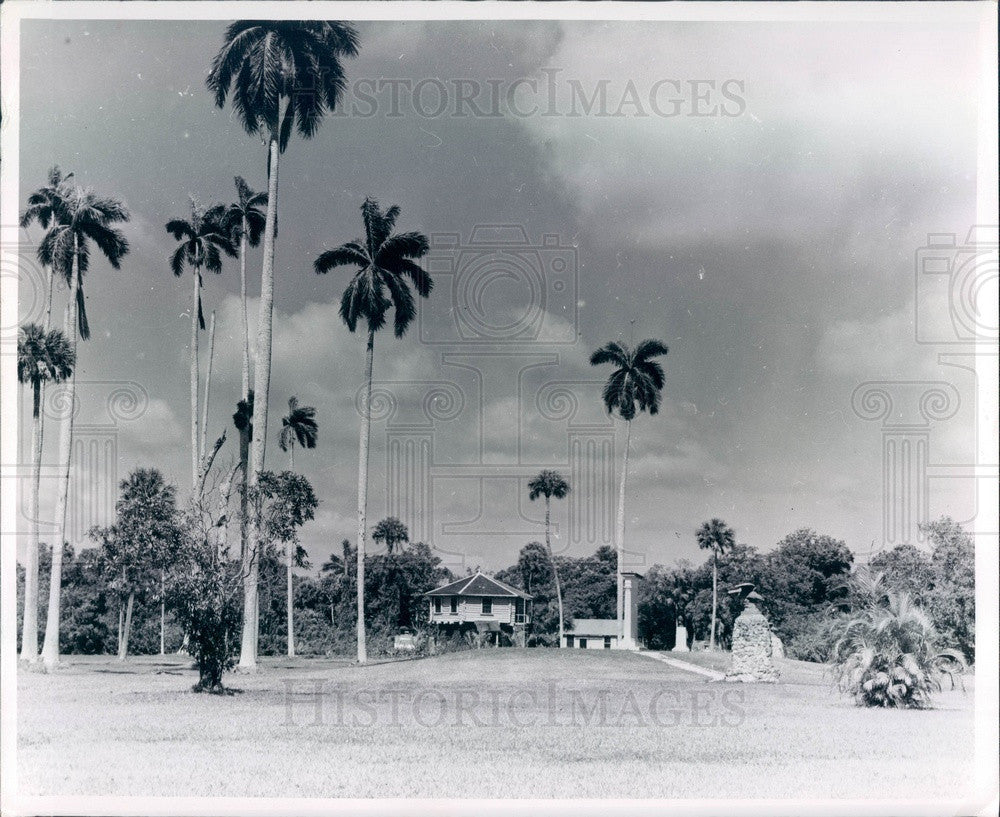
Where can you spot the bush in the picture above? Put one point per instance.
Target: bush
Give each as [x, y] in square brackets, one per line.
[890, 656]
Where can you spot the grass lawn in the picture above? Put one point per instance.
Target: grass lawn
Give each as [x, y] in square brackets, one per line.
[490, 723]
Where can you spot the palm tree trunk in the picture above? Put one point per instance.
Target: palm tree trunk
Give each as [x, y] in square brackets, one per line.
[121, 627]
[365, 438]
[123, 643]
[246, 321]
[715, 595]
[555, 570]
[289, 554]
[289, 601]
[262, 385]
[620, 538]
[50, 649]
[195, 454]
[163, 613]
[208, 387]
[29, 625]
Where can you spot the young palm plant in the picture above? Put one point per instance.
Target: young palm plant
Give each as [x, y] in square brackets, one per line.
[203, 238]
[550, 484]
[298, 425]
[717, 537]
[385, 268]
[890, 656]
[281, 73]
[83, 219]
[634, 385]
[245, 222]
[42, 356]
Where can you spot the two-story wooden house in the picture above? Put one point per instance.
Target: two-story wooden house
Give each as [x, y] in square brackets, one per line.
[480, 604]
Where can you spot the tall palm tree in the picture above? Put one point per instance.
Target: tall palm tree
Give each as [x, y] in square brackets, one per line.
[84, 219]
[280, 72]
[635, 384]
[550, 484]
[47, 206]
[384, 263]
[203, 239]
[299, 424]
[392, 532]
[717, 537]
[41, 356]
[246, 221]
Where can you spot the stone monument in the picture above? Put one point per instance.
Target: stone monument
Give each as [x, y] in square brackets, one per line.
[681, 640]
[752, 647]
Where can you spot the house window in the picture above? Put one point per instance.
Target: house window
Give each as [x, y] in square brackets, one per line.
[569, 641]
[437, 604]
[454, 604]
[487, 607]
[583, 643]
[607, 642]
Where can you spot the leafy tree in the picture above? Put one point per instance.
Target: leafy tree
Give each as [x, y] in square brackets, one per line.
[952, 602]
[385, 264]
[42, 356]
[266, 64]
[890, 656]
[717, 537]
[80, 220]
[142, 542]
[245, 223]
[905, 569]
[533, 564]
[550, 484]
[634, 385]
[284, 503]
[390, 532]
[203, 238]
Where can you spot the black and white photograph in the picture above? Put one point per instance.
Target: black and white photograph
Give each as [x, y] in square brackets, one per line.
[499, 407]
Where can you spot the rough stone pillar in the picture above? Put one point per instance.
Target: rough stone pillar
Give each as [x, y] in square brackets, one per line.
[752, 648]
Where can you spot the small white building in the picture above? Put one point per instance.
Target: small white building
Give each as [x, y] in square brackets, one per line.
[602, 633]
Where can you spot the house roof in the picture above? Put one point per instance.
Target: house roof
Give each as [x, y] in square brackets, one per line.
[595, 626]
[478, 585]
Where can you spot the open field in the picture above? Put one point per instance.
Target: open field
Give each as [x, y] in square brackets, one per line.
[492, 723]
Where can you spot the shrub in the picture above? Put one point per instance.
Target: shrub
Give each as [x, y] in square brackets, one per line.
[890, 656]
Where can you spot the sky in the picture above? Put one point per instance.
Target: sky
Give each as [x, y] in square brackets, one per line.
[755, 195]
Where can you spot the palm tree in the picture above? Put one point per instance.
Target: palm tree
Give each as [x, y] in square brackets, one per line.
[635, 383]
[41, 356]
[384, 263]
[202, 240]
[891, 655]
[281, 72]
[47, 205]
[550, 484]
[299, 424]
[246, 221]
[392, 532]
[83, 219]
[718, 537]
